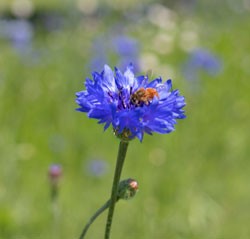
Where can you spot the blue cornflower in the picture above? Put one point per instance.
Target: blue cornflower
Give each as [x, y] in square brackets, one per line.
[19, 32]
[132, 105]
[201, 59]
[97, 167]
[116, 45]
[127, 49]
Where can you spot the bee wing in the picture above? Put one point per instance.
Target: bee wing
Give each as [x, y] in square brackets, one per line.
[163, 91]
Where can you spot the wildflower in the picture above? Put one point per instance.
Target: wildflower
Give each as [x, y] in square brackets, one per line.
[201, 59]
[132, 105]
[116, 45]
[127, 189]
[19, 32]
[55, 172]
[127, 49]
[97, 167]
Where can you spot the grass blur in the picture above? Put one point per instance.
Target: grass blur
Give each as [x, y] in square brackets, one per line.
[194, 182]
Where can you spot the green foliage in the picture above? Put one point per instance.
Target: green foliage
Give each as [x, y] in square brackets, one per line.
[193, 183]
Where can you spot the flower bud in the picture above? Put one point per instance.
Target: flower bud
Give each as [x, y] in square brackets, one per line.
[55, 172]
[127, 189]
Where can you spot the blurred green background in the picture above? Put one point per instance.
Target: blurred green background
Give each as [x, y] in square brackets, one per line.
[194, 182]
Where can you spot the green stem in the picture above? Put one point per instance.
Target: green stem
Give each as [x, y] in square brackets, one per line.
[119, 164]
[92, 219]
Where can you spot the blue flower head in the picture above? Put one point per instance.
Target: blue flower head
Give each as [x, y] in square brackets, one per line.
[131, 105]
[201, 59]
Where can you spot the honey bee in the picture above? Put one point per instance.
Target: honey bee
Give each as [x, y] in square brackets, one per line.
[143, 96]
